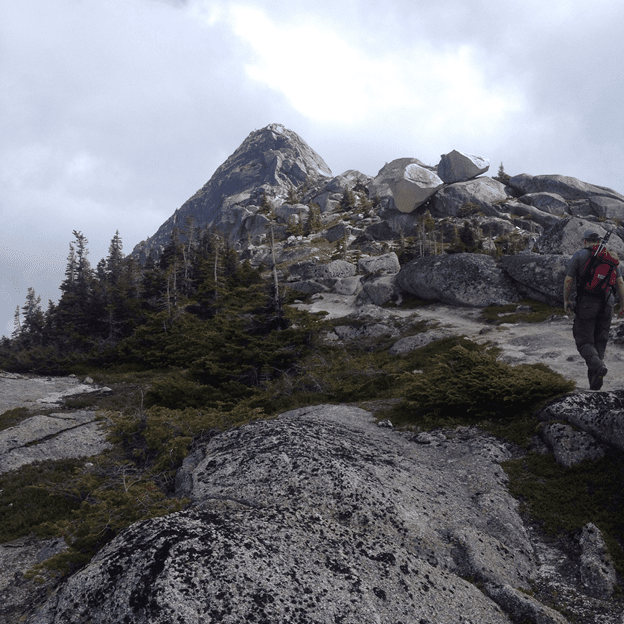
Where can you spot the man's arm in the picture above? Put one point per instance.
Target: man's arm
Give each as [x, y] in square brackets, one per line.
[567, 291]
[619, 285]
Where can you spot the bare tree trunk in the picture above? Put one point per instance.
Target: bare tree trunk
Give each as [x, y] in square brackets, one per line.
[276, 297]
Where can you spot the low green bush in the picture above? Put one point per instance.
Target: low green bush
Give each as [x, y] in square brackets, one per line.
[12, 417]
[472, 384]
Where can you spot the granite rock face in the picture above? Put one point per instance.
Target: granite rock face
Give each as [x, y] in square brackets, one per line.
[537, 276]
[566, 237]
[457, 279]
[317, 516]
[600, 414]
[269, 163]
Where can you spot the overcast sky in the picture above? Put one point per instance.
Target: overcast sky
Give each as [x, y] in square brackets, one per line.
[114, 112]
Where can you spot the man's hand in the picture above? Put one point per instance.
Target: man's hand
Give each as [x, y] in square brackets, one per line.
[567, 308]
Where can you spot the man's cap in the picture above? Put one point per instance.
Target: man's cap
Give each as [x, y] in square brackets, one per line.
[591, 235]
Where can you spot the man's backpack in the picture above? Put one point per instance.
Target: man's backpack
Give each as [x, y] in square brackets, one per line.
[599, 274]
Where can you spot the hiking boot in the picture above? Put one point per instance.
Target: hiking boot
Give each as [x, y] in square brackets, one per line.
[595, 379]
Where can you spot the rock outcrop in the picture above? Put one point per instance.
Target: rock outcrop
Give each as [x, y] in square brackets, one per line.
[457, 279]
[320, 516]
[536, 276]
[53, 437]
[600, 414]
[483, 194]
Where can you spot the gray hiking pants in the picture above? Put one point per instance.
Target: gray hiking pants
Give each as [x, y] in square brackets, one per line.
[592, 321]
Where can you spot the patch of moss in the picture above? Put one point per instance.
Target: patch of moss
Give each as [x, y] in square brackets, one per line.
[14, 416]
[29, 502]
[527, 311]
[566, 499]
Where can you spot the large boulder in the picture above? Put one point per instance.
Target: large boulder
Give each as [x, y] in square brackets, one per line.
[601, 414]
[538, 277]
[566, 237]
[411, 184]
[570, 446]
[547, 202]
[385, 263]
[543, 219]
[482, 194]
[379, 290]
[459, 167]
[458, 279]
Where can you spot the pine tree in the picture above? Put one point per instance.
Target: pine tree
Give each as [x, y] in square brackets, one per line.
[34, 319]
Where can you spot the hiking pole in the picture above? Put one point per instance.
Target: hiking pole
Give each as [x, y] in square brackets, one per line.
[603, 242]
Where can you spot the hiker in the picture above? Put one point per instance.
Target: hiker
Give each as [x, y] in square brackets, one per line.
[593, 310]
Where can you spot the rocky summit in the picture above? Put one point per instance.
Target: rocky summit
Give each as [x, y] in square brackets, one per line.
[463, 238]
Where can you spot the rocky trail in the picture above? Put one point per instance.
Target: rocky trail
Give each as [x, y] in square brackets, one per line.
[549, 342]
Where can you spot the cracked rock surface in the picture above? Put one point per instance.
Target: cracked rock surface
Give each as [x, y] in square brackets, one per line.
[323, 516]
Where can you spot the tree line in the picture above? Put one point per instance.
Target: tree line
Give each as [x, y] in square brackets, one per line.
[102, 310]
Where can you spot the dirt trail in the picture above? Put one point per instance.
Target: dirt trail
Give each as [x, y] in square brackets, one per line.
[550, 343]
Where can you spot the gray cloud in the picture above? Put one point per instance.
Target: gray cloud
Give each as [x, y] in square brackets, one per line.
[114, 112]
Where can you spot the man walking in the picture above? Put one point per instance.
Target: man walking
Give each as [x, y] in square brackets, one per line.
[594, 310]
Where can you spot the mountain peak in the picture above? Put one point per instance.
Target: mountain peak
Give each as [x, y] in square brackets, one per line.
[270, 162]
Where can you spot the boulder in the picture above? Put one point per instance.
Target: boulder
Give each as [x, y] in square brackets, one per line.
[551, 203]
[520, 209]
[289, 214]
[335, 269]
[412, 185]
[337, 232]
[307, 270]
[316, 516]
[379, 186]
[386, 263]
[570, 446]
[459, 167]
[607, 207]
[346, 285]
[380, 290]
[597, 571]
[564, 186]
[566, 237]
[537, 276]
[459, 279]
[600, 414]
[481, 194]
[411, 343]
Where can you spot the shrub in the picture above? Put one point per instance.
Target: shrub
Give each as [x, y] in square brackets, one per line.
[474, 385]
